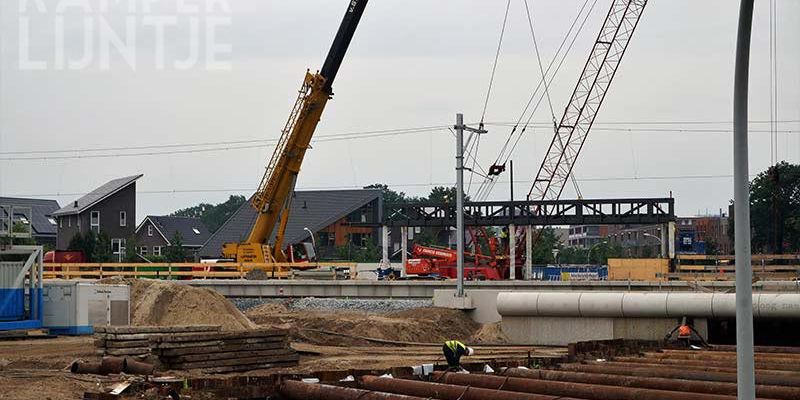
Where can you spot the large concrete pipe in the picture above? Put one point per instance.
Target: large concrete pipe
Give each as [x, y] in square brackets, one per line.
[644, 305]
[572, 389]
[649, 382]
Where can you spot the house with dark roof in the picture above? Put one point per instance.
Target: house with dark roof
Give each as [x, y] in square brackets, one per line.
[332, 215]
[156, 233]
[43, 225]
[110, 209]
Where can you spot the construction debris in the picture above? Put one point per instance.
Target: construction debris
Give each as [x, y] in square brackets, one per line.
[218, 352]
[112, 365]
[135, 340]
[197, 347]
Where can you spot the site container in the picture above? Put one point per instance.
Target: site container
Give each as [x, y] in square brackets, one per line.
[12, 291]
[74, 308]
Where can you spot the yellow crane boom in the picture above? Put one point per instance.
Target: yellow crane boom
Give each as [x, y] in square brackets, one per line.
[273, 198]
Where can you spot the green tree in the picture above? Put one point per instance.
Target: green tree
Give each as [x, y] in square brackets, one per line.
[543, 249]
[85, 243]
[19, 227]
[102, 249]
[131, 251]
[389, 195]
[775, 209]
[175, 252]
[213, 216]
[712, 248]
[350, 252]
[441, 194]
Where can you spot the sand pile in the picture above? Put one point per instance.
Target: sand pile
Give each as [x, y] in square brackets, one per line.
[427, 325]
[164, 303]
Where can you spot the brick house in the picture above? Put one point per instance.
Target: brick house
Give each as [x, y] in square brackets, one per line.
[110, 209]
[156, 233]
[333, 216]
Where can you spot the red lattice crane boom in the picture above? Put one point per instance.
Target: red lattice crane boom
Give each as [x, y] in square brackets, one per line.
[588, 96]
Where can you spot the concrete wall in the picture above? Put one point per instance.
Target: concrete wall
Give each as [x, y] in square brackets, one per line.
[483, 301]
[637, 269]
[560, 331]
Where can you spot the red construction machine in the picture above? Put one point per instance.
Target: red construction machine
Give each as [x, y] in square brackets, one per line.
[430, 261]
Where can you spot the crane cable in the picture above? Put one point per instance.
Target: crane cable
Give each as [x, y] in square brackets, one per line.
[549, 100]
[539, 60]
[488, 185]
[494, 66]
[538, 86]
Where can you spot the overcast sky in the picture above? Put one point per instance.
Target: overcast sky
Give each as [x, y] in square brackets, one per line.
[412, 64]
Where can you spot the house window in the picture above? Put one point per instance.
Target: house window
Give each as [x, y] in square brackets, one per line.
[361, 239]
[94, 221]
[69, 221]
[117, 246]
[149, 230]
[156, 250]
[61, 222]
[143, 250]
[123, 218]
[196, 231]
[52, 221]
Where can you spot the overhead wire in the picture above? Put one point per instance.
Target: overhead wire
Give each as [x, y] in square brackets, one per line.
[239, 145]
[488, 185]
[433, 128]
[539, 60]
[397, 185]
[202, 144]
[496, 60]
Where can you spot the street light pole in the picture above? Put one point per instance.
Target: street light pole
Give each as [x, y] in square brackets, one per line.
[745, 365]
[660, 241]
[460, 128]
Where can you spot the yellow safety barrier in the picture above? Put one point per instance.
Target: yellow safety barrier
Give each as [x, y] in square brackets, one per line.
[181, 270]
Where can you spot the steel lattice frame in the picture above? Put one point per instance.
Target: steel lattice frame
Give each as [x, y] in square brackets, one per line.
[571, 133]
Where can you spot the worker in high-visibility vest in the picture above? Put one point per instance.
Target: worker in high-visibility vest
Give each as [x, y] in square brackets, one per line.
[685, 335]
[453, 351]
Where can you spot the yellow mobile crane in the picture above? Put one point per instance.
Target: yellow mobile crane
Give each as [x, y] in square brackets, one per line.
[273, 198]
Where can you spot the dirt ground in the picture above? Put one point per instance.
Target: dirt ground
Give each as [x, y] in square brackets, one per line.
[35, 369]
[341, 328]
[326, 340]
[164, 303]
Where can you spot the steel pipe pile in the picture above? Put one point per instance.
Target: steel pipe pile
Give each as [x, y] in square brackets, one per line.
[680, 373]
[309, 391]
[579, 390]
[447, 392]
[669, 384]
